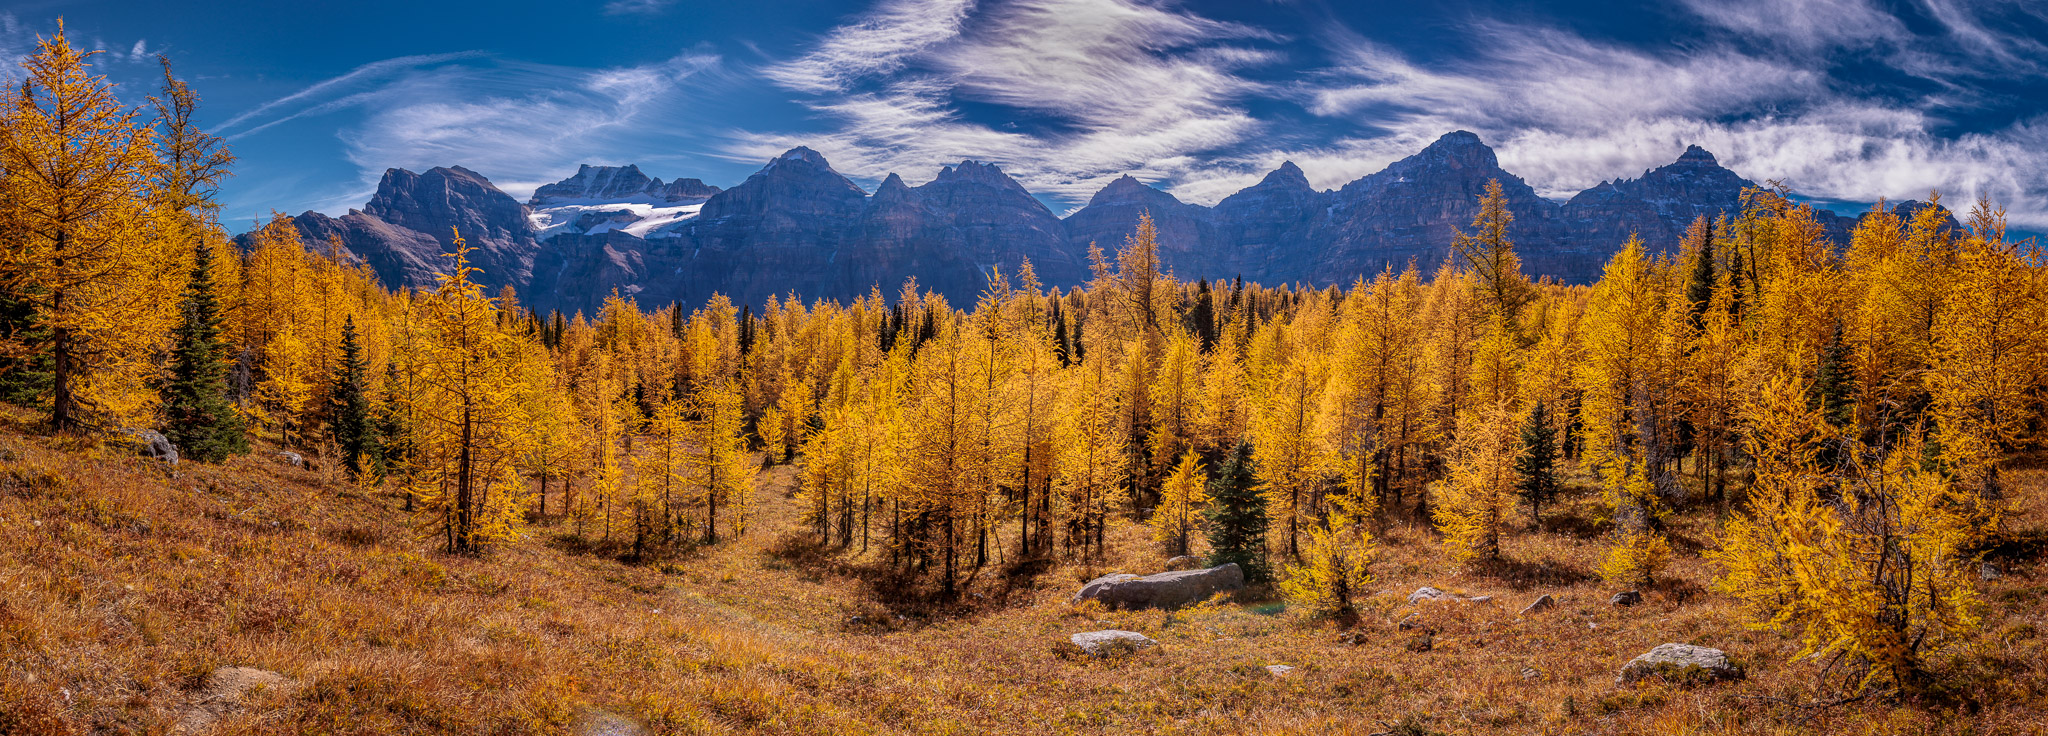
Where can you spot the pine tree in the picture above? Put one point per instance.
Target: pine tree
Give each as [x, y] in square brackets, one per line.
[354, 433]
[1536, 468]
[1237, 516]
[1832, 383]
[1202, 318]
[198, 417]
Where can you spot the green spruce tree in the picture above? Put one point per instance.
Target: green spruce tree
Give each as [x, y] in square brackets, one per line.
[25, 367]
[353, 432]
[198, 417]
[1536, 468]
[1237, 516]
[394, 429]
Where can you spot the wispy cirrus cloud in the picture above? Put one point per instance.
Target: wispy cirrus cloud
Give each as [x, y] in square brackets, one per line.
[636, 7]
[519, 123]
[1098, 87]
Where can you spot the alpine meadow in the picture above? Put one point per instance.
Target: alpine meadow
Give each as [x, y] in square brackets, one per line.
[1436, 451]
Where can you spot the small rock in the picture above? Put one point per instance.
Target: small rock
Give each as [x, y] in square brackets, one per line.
[1184, 562]
[1353, 638]
[294, 459]
[1279, 670]
[1111, 641]
[1433, 594]
[1410, 621]
[1422, 642]
[152, 444]
[1989, 571]
[1680, 663]
[1426, 593]
[1531, 673]
[607, 723]
[1542, 603]
[1626, 598]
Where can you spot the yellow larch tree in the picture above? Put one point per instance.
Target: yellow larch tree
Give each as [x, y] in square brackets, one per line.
[78, 172]
[1182, 497]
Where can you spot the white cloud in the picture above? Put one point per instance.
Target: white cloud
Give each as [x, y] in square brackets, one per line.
[878, 43]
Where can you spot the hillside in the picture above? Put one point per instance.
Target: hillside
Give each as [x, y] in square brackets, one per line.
[129, 582]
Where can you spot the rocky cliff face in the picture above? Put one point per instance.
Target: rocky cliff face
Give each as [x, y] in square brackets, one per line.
[799, 226]
[1269, 226]
[412, 221]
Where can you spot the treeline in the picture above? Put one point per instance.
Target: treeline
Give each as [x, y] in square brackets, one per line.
[1849, 408]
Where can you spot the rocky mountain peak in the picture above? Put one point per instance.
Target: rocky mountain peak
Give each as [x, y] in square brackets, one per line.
[1287, 176]
[975, 172]
[1697, 156]
[1128, 189]
[687, 189]
[1459, 148]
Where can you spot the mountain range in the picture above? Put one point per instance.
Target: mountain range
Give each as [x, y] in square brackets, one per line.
[798, 226]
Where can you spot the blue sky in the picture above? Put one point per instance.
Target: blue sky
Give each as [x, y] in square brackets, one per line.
[1845, 100]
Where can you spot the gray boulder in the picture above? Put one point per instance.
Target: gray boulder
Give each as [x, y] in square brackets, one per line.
[1542, 603]
[1682, 663]
[152, 444]
[292, 458]
[1626, 598]
[1989, 571]
[1164, 590]
[1111, 641]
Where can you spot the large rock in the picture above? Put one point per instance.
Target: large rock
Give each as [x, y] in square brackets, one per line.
[152, 444]
[1680, 663]
[1111, 641]
[1164, 590]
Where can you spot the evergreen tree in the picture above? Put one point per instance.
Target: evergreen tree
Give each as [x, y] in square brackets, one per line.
[26, 364]
[1699, 291]
[347, 404]
[1202, 317]
[395, 433]
[198, 417]
[1537, 466]
[1832, 382]
[1237, 516]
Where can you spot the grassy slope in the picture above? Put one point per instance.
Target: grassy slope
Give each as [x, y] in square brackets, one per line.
[122, 585]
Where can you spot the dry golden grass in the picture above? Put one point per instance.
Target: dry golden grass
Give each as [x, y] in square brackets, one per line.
[122, 585]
